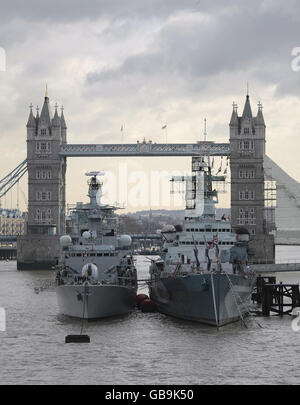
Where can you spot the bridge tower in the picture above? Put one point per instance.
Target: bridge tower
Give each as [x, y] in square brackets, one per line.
[39, 248]
[247, 150]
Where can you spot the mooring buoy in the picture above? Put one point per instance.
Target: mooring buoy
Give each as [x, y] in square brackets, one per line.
[77, 339]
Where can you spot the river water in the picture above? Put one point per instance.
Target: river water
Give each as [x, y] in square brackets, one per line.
[138, 348]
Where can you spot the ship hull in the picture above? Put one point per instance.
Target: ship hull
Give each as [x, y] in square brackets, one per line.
[95, 301]
[205, 298]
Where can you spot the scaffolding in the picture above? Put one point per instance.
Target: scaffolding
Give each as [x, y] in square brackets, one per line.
[270, 196]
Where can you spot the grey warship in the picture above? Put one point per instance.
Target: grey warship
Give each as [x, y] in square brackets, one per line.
[96, 275]
[202, 273]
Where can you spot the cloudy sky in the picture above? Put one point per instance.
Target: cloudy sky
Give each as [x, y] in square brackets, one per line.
[143, 64]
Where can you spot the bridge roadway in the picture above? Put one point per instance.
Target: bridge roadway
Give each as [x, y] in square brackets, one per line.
[146, 149]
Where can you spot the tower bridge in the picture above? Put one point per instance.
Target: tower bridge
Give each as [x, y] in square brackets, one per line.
[144, 149]
[48, 150]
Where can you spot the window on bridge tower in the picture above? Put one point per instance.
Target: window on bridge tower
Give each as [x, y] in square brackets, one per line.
[43, 132]
[43, 195]
[246, 195]
[246, 216]
[246, 173]
[43, 147]
[44, 174]
[246, 145]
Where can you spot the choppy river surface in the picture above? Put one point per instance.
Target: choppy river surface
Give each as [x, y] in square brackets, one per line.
[138, 348]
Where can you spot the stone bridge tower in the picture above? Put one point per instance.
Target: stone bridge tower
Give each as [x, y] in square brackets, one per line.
[247, 151]
[46, 189]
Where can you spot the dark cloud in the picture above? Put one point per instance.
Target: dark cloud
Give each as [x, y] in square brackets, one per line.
[70, 10]
[194, 47]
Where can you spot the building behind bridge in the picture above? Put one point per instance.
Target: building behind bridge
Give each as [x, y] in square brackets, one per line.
[12, 222]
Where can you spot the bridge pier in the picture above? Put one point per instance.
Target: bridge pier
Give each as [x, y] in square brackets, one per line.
[37, 252]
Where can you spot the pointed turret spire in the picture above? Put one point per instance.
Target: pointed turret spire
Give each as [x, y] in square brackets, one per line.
[234, 116]
[46, 115]
[260, 118]
[56, 119]
[62, 118]
[247, 108]
[31, 120]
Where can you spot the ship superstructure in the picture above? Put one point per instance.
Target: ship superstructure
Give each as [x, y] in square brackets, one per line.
[203, 271]
[97, 275]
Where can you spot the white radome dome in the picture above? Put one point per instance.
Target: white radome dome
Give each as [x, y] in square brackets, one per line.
[169, 232]
[168, 228]
[125, 240]
[86, 234]
[89, 270]
[65, 240]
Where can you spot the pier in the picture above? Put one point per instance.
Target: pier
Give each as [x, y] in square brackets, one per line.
[274, 297]
[275, 267]
[8, 251]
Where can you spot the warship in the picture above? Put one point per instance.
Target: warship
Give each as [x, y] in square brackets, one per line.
[96, 275]
[202, 273]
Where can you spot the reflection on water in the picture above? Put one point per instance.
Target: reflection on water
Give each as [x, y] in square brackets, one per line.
[137, 348]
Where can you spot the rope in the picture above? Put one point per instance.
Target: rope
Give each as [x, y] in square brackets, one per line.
[244, 304]
[84, 298]
[237, 305]
[214, 299]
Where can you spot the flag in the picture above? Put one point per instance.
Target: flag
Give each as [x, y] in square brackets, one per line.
[213, 242]
[164, 127]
